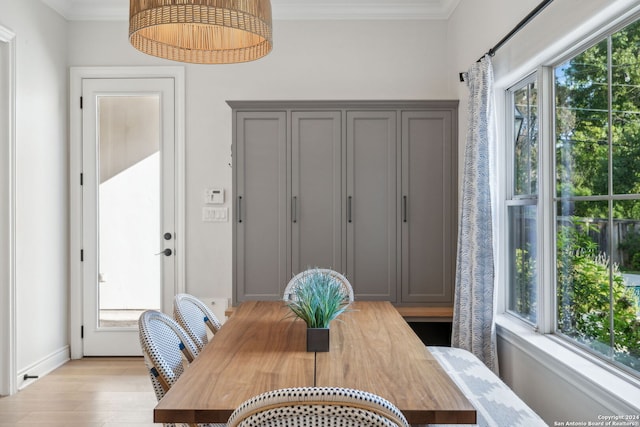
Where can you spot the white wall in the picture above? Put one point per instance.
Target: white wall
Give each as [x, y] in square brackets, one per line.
[473, 29]
[41, 185]
[310, 60]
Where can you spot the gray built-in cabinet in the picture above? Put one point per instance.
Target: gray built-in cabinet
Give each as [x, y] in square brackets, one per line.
[367, 188]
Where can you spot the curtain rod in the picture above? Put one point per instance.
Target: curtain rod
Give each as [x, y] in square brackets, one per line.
[513, 32]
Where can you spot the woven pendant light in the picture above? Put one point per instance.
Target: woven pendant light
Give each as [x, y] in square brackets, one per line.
[202, 31]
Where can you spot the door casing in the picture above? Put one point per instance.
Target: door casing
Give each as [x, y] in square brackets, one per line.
[77, 74]
[8, 367]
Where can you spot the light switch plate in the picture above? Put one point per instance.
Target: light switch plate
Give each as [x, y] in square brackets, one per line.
[215, 214]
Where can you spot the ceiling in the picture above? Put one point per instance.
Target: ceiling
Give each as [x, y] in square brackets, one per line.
[113, 10]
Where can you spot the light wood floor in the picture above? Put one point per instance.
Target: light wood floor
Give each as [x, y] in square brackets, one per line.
[90, 392]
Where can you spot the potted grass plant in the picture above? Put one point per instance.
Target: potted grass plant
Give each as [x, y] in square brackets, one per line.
[318, 298]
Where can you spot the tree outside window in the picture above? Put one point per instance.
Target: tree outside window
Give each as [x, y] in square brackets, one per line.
[597, 172]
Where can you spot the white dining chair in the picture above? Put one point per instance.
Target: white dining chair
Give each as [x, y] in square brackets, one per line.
[195, 318]
[317, 406]
[165, 347]
[289, 289]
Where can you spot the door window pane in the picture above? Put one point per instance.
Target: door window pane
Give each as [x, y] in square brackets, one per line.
[129, 208]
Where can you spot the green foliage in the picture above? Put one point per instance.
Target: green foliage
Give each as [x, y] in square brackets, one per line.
[630, 244]
[598, 154]
[318, 298]
[587, 283]
[524, 291]
[635, 261]
[586, 136]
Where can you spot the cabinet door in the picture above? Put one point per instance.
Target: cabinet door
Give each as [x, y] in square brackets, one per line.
[371, 204]
[428, 210]
[316, 191]
[260, 218]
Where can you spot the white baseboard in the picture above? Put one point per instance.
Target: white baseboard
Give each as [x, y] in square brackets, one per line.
[43, 367]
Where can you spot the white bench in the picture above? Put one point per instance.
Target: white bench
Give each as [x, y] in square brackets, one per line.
[496, 404]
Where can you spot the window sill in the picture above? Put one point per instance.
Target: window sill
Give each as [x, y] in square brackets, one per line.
[615, 389]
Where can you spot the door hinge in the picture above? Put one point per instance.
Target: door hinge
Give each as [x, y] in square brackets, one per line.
[82, 332]
[81, 255]
[81, 103]
[81, 178]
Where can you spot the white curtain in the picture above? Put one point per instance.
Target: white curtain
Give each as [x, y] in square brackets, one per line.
[473, 327]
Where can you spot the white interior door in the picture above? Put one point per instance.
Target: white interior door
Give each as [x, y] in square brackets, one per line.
[128, 208]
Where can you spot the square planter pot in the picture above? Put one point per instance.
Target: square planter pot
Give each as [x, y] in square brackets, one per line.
[318, 339]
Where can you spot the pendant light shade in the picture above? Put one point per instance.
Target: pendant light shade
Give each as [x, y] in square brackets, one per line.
[202, 31]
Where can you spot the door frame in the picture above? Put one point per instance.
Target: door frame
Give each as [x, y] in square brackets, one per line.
[8, 367]
[77, 74]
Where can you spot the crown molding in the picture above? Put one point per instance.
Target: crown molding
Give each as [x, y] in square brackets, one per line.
[118, 10]
[365, 10]
[91, 10]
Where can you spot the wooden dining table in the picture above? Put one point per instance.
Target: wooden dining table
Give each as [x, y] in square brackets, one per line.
[262, 347]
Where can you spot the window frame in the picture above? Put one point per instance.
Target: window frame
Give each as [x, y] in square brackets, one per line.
[512, 200]
[546, 314]
[610, 197]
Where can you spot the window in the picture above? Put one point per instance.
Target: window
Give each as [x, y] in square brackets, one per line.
[595, 199]
[597, 172]
[522, 210]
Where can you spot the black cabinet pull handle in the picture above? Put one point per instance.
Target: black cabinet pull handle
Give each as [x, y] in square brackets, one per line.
[404, 208]
[294, 209]
[349, 209]
[239, 208]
